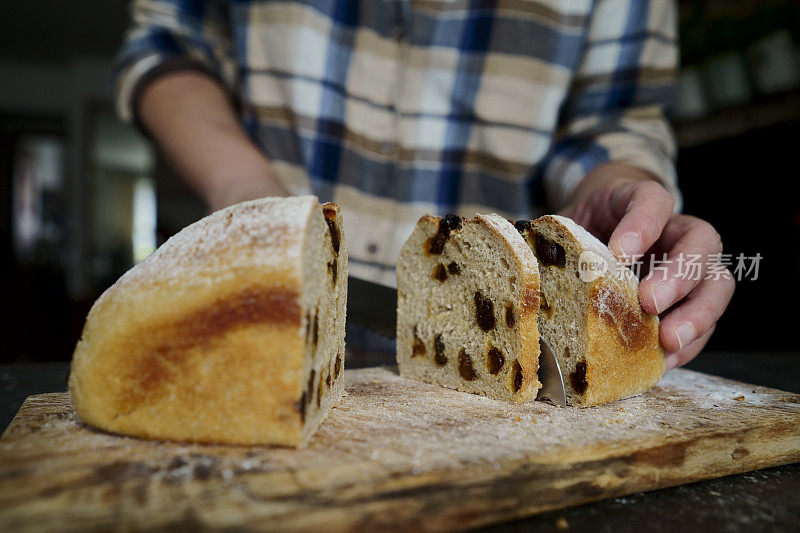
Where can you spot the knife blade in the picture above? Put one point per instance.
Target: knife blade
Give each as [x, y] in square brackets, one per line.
[550, 376]
[374, 306]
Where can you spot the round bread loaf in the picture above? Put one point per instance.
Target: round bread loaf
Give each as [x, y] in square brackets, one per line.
[231, 332]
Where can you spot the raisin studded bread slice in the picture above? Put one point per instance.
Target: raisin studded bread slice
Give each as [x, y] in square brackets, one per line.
[231, 332]
[468, 294]
[607, 346]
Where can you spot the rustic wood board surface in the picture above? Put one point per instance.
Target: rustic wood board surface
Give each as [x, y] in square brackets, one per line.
[395, 454]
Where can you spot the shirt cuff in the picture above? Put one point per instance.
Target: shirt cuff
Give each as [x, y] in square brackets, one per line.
[566, 171]
[138, 76]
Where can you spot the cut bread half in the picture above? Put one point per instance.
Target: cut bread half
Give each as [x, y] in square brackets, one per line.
[607, 346]
[231, 332]
[468, 296]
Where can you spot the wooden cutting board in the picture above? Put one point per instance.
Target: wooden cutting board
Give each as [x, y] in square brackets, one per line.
[396, 453]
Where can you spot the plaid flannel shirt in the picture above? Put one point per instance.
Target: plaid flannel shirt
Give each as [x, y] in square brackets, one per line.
[397, 108]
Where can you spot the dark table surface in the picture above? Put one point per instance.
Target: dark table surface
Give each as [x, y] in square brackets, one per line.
[765, 500]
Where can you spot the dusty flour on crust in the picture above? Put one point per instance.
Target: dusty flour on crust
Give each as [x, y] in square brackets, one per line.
[199, 246]
[606, 292]
[512, 237]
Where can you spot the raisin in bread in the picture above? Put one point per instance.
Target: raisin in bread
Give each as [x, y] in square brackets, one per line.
[467, 299]
[231, 332]
[607, 346]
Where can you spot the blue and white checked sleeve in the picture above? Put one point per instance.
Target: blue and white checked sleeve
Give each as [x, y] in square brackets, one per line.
[615, 108]
[169, 35]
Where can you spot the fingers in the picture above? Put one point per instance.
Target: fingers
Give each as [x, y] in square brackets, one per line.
[690, 241]
[681, 357]
[643, 209]
[698, 314]
[639, 217]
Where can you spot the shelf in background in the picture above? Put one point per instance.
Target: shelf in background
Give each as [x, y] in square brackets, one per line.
[731, 122]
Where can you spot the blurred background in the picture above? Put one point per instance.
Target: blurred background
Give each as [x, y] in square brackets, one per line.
[83, 196]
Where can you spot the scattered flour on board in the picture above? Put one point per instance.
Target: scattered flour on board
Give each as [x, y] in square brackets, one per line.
[399, 425]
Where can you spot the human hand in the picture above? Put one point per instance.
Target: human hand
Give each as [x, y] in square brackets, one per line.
[626, 208]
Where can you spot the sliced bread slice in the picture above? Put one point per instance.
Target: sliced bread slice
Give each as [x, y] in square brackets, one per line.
[468, 296]
[589, 313]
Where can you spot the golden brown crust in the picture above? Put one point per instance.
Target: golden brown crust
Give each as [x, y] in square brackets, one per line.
[621, 315]
[624, 356]
[192, 377]
[160, 353]
[203, 341]
[530, 297]
[528, 355]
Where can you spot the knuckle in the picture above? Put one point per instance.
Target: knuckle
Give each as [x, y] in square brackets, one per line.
[652, 188]
[704, 316]
[710, 236]
[651, 228]
[684, 224]
[656, 192]
[705, 228]
[663, 195]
